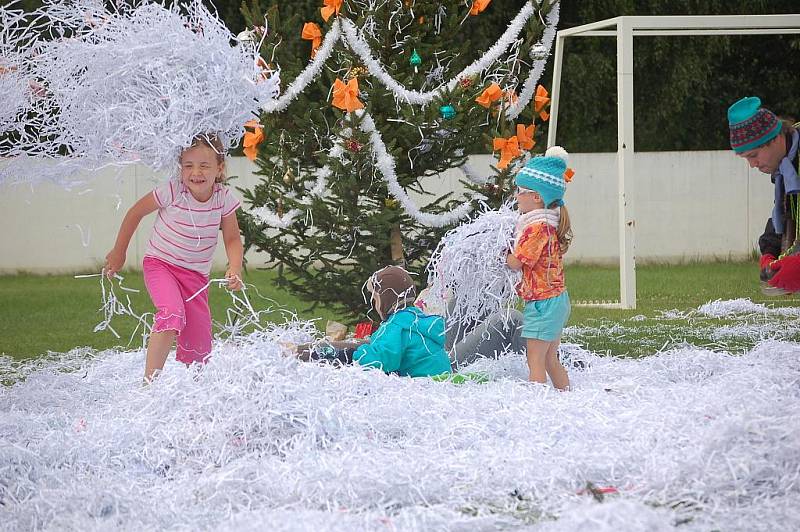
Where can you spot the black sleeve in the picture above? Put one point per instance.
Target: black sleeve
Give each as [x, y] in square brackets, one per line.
[770, 242]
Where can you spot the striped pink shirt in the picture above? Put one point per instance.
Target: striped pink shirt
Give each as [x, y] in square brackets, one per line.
[185, 232]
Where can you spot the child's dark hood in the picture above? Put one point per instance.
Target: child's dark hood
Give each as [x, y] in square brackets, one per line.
[395, 288]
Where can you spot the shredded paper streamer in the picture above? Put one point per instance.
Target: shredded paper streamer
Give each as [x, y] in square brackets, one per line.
[687, 438]
[132, 84]
[467, 272]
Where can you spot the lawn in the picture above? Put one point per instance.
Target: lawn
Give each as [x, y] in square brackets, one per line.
[701, 435]
[57, 313]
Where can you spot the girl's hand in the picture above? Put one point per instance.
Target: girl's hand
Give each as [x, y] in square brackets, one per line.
[115, 260]
[234, 278]
[513, 262]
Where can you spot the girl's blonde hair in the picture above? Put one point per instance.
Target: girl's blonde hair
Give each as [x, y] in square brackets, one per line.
[210, 140]
[564, 231]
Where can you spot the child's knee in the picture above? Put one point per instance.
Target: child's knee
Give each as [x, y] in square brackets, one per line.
[169, 317]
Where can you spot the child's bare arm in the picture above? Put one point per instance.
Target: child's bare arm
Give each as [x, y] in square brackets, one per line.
[234, 249]
[115, 259]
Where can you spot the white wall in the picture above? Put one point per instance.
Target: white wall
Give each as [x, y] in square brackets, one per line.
[687, 205]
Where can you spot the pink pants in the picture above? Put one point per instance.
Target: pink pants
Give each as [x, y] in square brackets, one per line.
[169, 287]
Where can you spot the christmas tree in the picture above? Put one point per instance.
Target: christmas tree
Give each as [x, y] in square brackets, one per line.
[379, 97]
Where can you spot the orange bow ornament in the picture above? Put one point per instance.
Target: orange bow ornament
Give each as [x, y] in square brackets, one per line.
[478, 6]
[345, 95]
[541, 99]
[252, 139]
[509, 148]
[568, 174]
[311, 32]
[331, 7]
[525, 136]
[491, 94]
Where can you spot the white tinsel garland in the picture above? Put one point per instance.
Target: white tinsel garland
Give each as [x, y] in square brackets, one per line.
[468, 268]
[347, 29]
[361, 48]
[309, 73]
[136, 85]
[267, 216]
[386, 164]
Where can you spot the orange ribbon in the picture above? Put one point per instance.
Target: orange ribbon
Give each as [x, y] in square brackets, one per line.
[345, 96]
[311, 32]
[331, 7]
[490, 94]
[568, 173]
[509, 148]
[478, 6]
[252, 139]
[541, 99]
[525, 136]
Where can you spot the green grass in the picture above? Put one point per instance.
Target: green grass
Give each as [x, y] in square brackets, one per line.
[57, 313]
[661, 288]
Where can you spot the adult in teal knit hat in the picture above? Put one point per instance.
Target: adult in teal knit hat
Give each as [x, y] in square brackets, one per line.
[751, 125]
[545, 175]
[771, 146]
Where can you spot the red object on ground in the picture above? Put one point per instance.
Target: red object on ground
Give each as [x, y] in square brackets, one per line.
[788, 273]
[765, 260]
[365, 328]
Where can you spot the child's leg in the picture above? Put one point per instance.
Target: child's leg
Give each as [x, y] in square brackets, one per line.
[537, 357]
[558, 375]
[170, 315]
[158, 347]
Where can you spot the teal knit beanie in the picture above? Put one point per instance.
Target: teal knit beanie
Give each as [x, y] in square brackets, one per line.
[545, 175]
[751, 125]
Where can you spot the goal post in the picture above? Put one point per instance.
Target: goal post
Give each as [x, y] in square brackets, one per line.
[624, 29]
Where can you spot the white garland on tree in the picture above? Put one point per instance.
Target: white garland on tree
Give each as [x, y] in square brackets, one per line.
[345, 29]
[468, 268]
[136, 85]
[386, 164]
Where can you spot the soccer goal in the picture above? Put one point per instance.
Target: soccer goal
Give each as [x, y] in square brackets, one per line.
[624, 29]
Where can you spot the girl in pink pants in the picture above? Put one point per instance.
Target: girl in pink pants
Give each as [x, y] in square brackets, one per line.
[170, 287]
[191, 211]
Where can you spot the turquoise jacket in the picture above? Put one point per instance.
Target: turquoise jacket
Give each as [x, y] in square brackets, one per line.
[409, 343]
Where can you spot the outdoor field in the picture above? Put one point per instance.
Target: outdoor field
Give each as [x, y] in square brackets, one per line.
[682, 414]
[463, 166]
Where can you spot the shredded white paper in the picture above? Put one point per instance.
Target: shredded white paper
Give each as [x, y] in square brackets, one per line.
[468, 268]
[688, 438]
[135, 84]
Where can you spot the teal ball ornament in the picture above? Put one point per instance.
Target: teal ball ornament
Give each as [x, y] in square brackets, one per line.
[415, 60]
[447, 112]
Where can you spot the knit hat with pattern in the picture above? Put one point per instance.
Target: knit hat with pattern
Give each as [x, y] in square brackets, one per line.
[545, 175]
[751, 125]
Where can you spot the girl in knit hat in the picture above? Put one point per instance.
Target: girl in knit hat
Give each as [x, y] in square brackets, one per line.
[543, 235]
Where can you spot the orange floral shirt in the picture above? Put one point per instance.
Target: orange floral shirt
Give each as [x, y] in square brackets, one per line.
[542, 264]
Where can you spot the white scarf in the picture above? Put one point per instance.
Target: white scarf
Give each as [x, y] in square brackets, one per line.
[549, 216]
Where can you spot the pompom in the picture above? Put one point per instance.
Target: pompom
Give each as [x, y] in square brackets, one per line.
[559, 152]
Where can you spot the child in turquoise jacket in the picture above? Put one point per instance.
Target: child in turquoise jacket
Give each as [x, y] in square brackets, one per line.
[408, 342]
